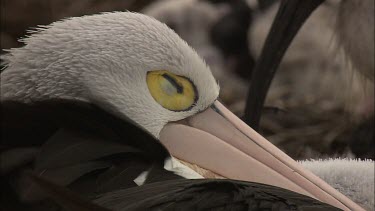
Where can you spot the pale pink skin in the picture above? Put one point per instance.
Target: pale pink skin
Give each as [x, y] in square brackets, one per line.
[222, 143]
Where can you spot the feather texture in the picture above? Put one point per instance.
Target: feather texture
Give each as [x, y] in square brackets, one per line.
[187, 195]
[67, 199]
[208, 195]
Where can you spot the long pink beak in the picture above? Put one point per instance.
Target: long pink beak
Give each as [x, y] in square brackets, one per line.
[219, 141]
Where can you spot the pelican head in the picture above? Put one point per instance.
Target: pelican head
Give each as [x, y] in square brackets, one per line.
[137, 68]
[106, 60]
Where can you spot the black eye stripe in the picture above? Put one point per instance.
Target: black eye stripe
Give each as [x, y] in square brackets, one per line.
[171, 80]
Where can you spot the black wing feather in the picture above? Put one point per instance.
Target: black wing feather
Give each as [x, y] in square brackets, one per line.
[208, 195]
[77, 145]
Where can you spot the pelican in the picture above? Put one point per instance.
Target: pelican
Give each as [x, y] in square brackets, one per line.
[104, 102]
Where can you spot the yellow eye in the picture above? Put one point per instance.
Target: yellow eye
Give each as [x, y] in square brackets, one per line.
[173, 92]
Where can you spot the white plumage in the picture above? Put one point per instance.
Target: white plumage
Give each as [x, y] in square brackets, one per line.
[104, 59]
[354, 178]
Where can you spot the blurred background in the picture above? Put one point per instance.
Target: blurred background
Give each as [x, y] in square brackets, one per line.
[318, 105]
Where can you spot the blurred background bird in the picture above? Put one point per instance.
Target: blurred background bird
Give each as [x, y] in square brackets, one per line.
[320, 76]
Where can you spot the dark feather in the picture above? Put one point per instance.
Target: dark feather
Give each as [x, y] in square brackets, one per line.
[157, 173]
[209, 195]
[83, 147]
[68, 147]
[61, 176]
[12, 158]
[120, 176]
[65, 198]
[40, 120]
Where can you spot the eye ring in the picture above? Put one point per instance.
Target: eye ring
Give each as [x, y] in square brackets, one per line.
[173, 92]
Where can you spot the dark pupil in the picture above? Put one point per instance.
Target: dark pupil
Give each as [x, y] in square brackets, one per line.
[171, 80]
